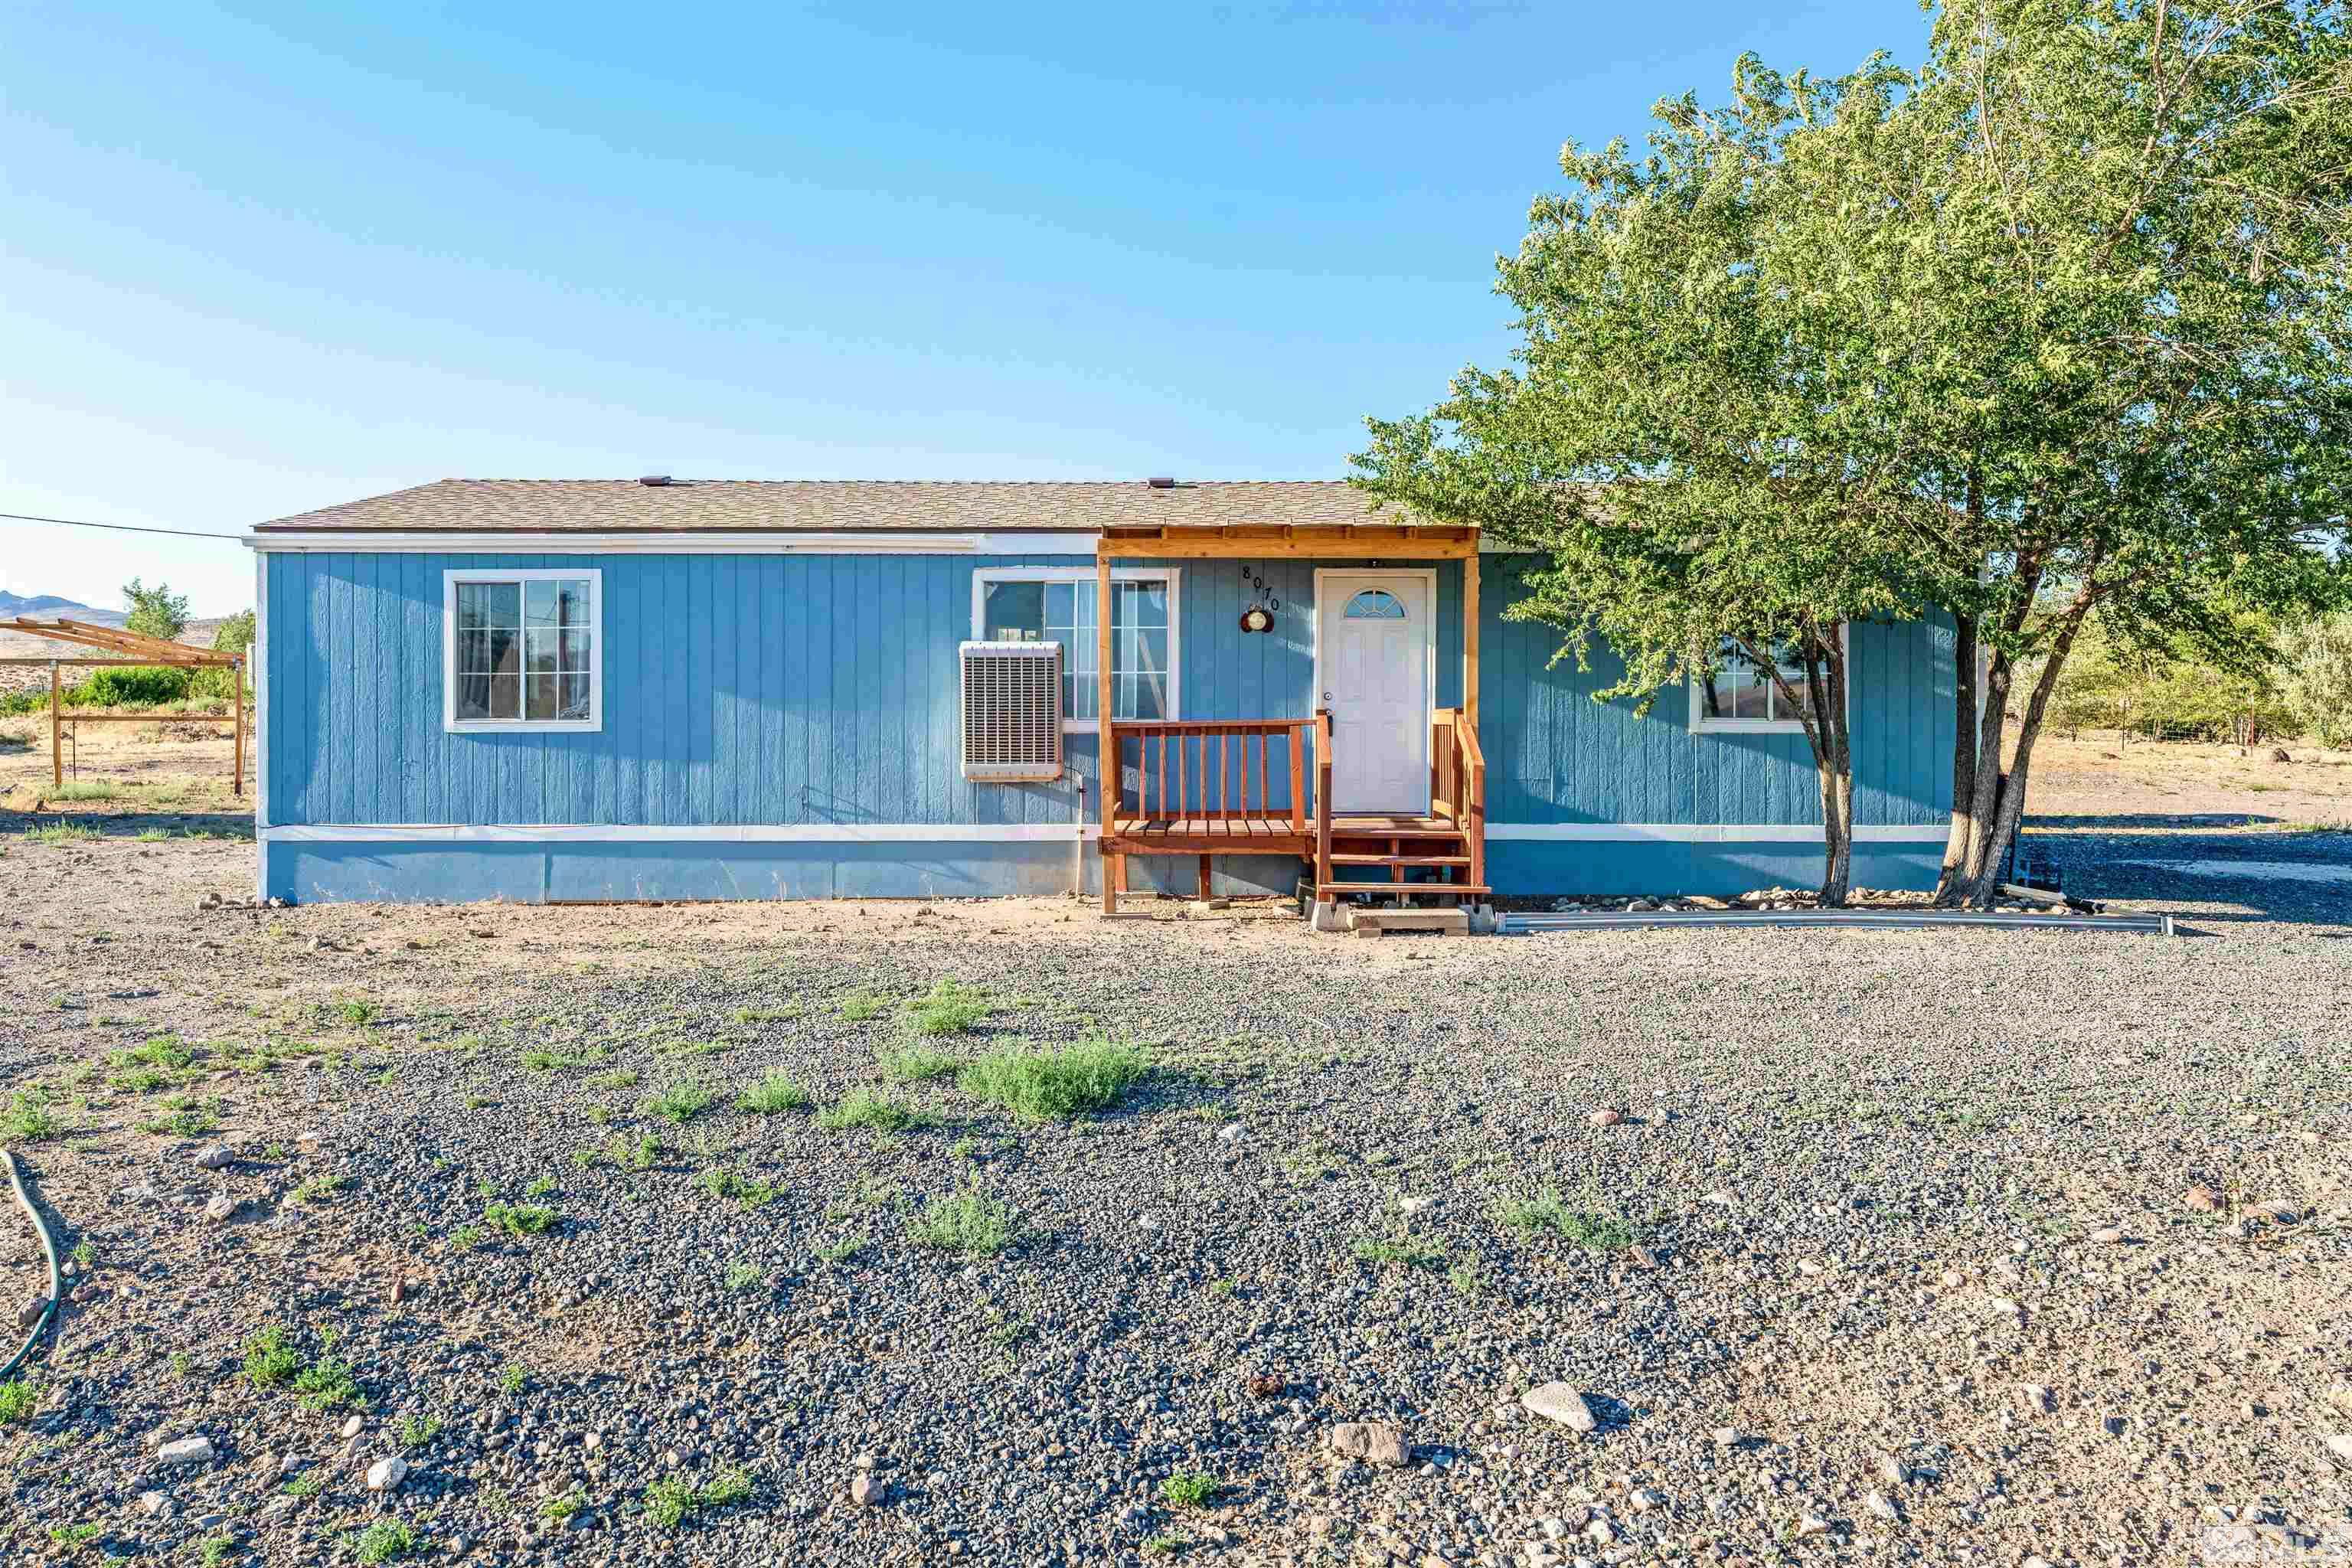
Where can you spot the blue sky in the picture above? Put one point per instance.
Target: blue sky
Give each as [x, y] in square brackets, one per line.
[262, 258]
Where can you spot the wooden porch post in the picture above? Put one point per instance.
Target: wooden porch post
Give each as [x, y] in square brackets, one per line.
[57, 734]
[1470, 633]
[1114, 867]
[236, 677]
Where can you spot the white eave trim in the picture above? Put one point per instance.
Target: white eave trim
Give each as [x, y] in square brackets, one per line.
[744, 542]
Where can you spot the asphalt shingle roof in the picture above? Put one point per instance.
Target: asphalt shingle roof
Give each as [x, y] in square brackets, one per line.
[626, 505]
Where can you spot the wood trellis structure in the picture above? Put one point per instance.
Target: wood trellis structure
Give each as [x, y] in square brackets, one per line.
[128, 649]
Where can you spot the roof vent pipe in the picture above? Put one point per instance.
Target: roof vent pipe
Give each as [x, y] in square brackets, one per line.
[655, 479]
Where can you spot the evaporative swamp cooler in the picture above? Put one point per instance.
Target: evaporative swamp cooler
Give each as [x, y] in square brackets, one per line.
[1011, 710]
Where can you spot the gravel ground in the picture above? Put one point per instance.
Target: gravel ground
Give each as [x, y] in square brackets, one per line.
[1839, 1284]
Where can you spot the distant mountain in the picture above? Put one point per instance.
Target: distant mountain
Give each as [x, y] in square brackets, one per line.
[49, 607]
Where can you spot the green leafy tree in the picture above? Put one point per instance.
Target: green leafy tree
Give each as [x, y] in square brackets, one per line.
[2049, 327]
[155, 612]
[234, 634]
[2097, 316]
[2316, 684]
[1660, 441]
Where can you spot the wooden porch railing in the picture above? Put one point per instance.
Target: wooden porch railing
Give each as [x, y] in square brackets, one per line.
[1322, 799]
[1202, 787]
[1457, 783]
[1206, 771]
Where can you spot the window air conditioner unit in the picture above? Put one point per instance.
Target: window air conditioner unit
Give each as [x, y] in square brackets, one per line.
[1011, 710]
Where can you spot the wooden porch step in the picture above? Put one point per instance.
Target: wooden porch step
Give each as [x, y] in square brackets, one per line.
[1337, 859]
[1418, 889]
[1393, 827]
[1435, 922]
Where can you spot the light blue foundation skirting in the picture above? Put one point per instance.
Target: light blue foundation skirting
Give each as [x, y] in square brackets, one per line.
[1717, 869]
[599, 871]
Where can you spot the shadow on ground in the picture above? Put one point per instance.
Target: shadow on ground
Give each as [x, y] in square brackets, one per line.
[2213, 877]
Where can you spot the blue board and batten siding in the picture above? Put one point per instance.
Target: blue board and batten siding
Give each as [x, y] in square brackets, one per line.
[818, 692]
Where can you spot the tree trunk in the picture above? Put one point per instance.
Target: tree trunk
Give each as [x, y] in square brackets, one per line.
[1825, 729]
[1837, 837]
[1964, 758]
[1987, 873]
[1983, 803]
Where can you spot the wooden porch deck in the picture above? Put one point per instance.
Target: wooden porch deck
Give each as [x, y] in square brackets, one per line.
[1196, 793]
[1194, 790]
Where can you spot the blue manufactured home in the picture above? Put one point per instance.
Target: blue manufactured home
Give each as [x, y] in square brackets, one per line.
[640, 690]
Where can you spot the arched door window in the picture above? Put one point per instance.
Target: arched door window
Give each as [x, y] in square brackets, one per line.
[1375, 605]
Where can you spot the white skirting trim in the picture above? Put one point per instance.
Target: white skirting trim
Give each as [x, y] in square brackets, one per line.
[1702, 833]
[1021, 832]
[769, 833]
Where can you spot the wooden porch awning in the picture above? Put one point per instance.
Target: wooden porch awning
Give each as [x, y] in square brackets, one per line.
[136, 645]
[1242, 541]
[1261, 542]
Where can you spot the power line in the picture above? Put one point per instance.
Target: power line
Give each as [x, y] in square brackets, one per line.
[118, 527]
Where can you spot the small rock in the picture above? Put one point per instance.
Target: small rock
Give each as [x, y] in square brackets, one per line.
[1879, 1506]
[221, 1209]
[1722, 1200]
[386, 1474]
[2204, 1200]
[1414, 1205]
[1231, 1132]
[864, 1488]
[1642, 1501]
[1558, 1402]
[1606, 1118]
[153, 1503]
[2276, 1210]
[1811, 1524]
[1952, 1280]
[2035, 1397]
[2339, 1449]
[1890, 1471]
[30, 1312]
[352, 1426]
[866, 1462]
[1374, 1442]
[2107, 1236]
[1728, 1438]
[1808, 1266]
[186, 1451]
[214, 1157]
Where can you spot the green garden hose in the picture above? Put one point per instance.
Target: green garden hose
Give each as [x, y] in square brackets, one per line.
[50, 1247]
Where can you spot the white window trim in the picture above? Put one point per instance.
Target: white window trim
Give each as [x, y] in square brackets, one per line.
[450, 722]
[1702, 725]
[1173, 576]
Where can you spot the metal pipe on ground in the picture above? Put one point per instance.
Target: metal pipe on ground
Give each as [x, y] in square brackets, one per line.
[1863, 920]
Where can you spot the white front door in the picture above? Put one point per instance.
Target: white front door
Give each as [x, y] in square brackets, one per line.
[1372, 657]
